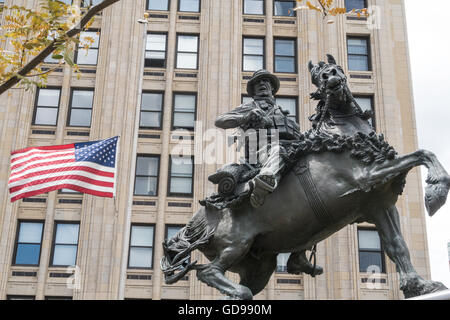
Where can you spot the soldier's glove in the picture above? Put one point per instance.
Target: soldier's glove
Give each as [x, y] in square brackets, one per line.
[257, 119]
[255, 116]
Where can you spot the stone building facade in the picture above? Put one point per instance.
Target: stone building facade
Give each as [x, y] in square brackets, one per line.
[197, 64]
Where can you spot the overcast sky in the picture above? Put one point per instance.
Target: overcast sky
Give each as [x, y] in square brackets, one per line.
[429, 43]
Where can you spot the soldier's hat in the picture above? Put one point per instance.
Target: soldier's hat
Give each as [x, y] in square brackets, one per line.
[263, 74]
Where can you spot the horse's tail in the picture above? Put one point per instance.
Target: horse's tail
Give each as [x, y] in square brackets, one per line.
[177, 250]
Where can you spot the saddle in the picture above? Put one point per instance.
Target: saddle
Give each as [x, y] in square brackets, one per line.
[233, 188]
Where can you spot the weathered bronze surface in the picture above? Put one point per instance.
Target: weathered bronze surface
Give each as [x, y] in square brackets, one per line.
[338, 173]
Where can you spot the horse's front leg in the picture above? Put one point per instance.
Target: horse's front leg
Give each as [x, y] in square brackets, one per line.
[412, 285]
[438, 179]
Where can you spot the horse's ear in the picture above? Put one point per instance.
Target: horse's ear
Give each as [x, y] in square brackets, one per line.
[331, 59]
[310, 66]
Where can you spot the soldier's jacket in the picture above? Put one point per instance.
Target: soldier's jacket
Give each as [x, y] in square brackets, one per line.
[288, 129]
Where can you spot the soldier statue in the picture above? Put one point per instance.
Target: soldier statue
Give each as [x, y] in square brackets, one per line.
[263, 113]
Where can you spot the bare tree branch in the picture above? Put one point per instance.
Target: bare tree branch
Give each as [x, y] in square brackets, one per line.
[52, 46]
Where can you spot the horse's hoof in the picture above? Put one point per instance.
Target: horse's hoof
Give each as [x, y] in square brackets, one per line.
[229, 298]
[418, 287]
[435, 197]
[317, 271]
[240, 294]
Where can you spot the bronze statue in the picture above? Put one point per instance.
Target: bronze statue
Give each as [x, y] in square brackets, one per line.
[338, 173]
[263, 113]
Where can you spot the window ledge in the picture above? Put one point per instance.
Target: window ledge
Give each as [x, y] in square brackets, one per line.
[284, 20]
[24, 273]
[87, 71]
[158, 15]
[366, 76]
[253, 19]
[154, 73]
[145, 198]
[372, 281]
[186, 74]
[68, 270]
[182, 135]
[38, 131]
[353, 18]
[182, 201]
[188, 17]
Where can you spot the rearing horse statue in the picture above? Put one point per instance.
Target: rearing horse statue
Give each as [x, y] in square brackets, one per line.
[341, 173]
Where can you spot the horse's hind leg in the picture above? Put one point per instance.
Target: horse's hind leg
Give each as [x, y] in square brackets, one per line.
[213, 274]
[298, 263]
[411, 283]
[438, 179]
[256, 272]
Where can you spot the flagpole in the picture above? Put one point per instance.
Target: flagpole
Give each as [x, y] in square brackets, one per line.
[126, 238]
[115, 173]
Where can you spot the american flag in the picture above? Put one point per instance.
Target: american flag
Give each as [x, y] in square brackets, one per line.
[87, 167]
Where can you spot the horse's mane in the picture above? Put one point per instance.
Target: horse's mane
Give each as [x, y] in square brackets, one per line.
[324, 105]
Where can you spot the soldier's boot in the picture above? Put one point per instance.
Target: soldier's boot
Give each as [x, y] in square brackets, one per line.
[267, 180]
[262, 185]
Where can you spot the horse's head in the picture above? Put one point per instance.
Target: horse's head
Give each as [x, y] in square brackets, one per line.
[331, 82]
[332, 92]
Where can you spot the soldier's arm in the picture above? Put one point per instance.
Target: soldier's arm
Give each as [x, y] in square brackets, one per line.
[233, 119]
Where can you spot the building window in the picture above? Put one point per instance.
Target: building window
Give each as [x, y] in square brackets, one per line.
[288, 104]
[187, 52]
[47, 106]
[58, 298]
[181, 176]
[155, 50]
[28, 243]
[51, 37]
[358, 54]
[371, 255]
[151, 110]
[284, 8]
[254, 7]
[184, 111]
[80, 108]
[366, 104]
[49, 59]
[16, 297]
[88, 56]
[172, 231]
[159, 5]
[65, 244]
[68, 191]
[253, 52]
[246, 99]
[282, 260]
[285, 53]
[355, 4]
[140, 255]
[189, 5]
[88, 3]
[146, 179]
